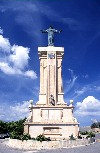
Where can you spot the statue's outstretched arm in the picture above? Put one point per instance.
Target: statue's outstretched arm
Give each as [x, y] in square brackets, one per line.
[58, 31]
[43, 31]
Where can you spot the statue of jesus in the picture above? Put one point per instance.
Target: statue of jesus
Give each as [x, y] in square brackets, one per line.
[51, 32]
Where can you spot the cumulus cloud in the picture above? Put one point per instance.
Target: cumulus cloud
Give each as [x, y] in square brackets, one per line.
[19, 56]
[4, 44]
[4, 67]
[15, 112]
[90, 106]
[30, 74]
[16, 60]
[1, 31]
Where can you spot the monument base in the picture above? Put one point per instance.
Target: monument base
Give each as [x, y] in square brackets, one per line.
[56, 122]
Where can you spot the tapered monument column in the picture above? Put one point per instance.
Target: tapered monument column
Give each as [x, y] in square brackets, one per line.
[51, 91]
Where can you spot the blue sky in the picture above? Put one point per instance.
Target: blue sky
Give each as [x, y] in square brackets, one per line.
[20, 36]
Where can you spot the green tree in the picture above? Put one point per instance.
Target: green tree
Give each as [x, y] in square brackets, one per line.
[3, 127]
[8, 127]
[95, 125]
[17, 127]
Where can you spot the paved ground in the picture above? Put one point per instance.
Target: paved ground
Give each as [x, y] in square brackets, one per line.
[94, 148]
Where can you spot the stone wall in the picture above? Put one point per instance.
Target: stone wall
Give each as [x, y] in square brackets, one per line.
[36, 145]
[54, 131]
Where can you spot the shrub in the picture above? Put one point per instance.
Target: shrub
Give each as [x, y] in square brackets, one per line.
[41, 138]
[48, 139]
[25, 137]
[14, 135]
[90, 135]
[84, 133]
[33, 139]
[72, 137]
[79, 137]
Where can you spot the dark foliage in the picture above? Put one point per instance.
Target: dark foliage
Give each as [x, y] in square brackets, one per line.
[15, 135]
[79, 137]
[84, 133]
[95, 125]
[72, 137]
[3, 127]
[25, 137]
[90, 135]
[12, 127]
[41, 138]
[17, 127]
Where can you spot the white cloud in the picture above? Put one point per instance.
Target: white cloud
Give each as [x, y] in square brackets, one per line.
[15, 112]
[1, 31]
[90, 106]
[71, 82]
[97, 88]
[86, 76]
[20, 109]
[72, 79]
[81, 91]
[19, 56]
[16, 60]
[94, 120]
[4, 44]
[31, 74]
[4, 67]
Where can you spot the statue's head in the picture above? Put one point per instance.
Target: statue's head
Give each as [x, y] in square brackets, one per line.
[71, 101]
[51, 27]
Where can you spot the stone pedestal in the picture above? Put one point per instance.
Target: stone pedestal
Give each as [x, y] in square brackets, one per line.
[51, 116]
[56, 122]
